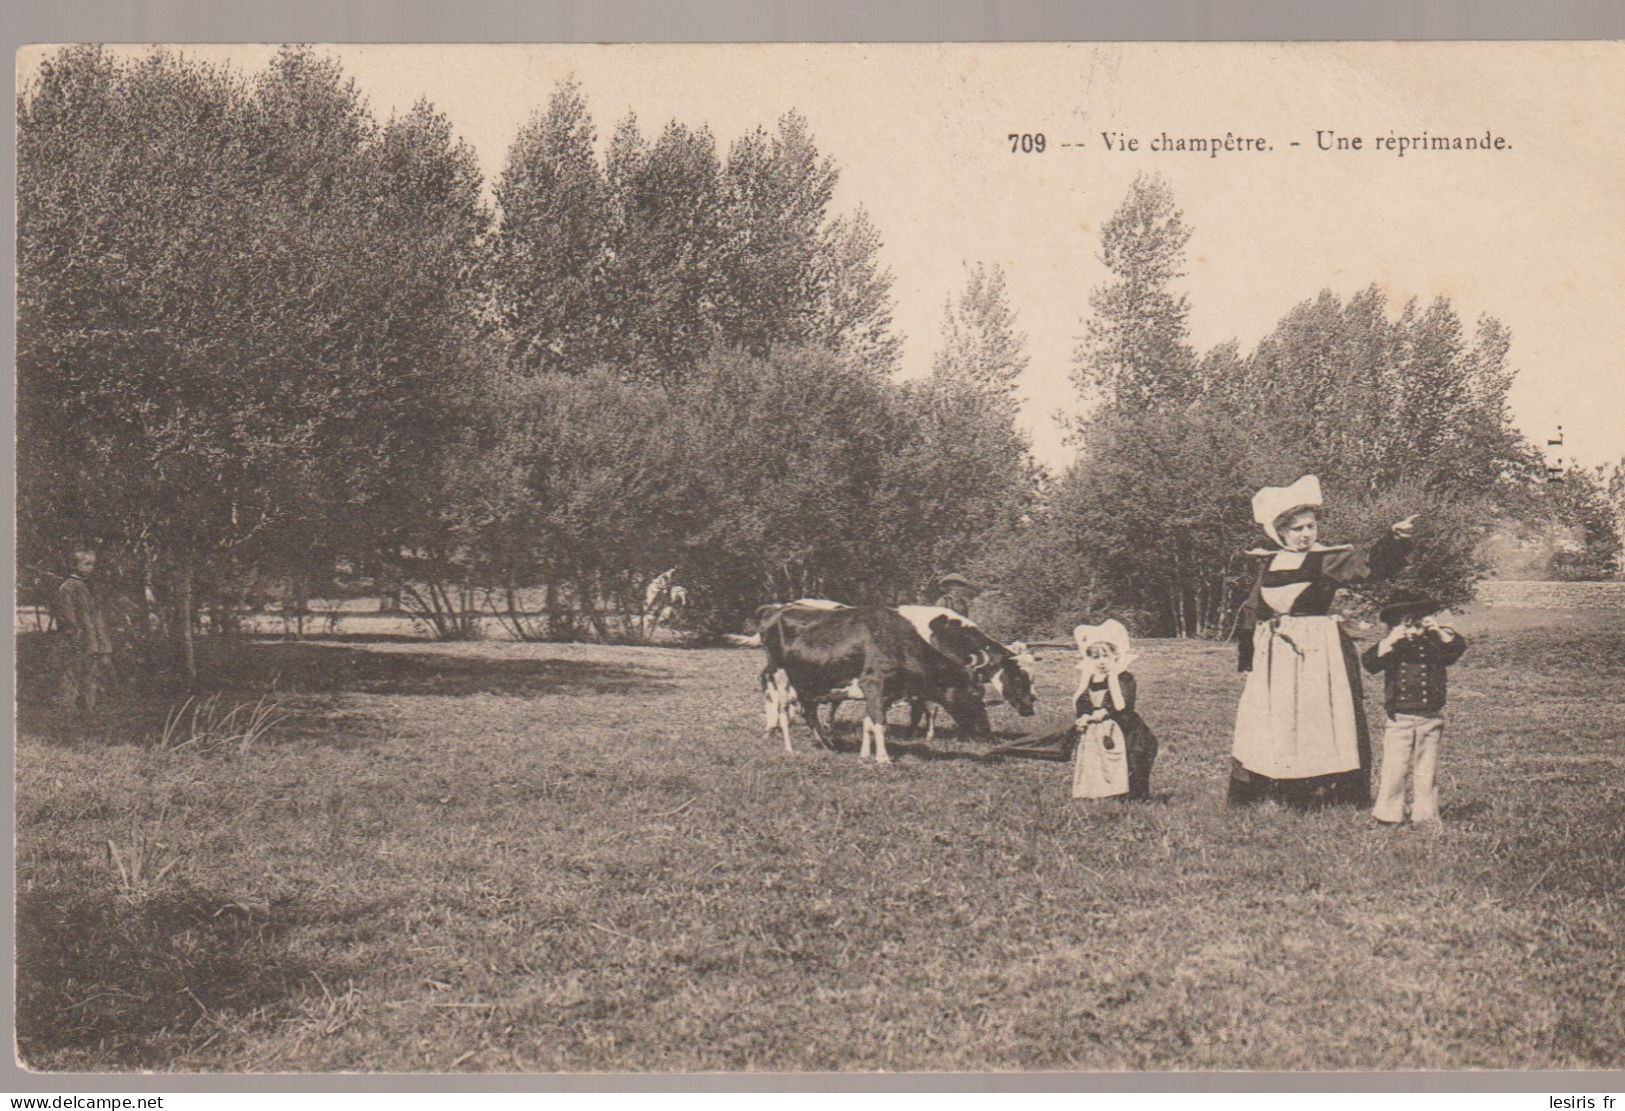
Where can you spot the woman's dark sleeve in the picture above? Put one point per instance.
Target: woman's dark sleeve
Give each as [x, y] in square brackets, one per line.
[1126, 682]
[1453, 648]
[1375, 559]
[1246, 622]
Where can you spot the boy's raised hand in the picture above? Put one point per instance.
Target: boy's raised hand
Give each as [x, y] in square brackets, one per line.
[1405, 528]
[1433, 625]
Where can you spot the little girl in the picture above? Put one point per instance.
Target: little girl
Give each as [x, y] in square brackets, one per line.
[1115, 747]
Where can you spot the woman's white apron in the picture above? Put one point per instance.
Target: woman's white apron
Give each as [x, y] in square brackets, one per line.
[1297, 719]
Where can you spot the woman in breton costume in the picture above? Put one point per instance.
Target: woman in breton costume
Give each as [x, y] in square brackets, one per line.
[1300, 729]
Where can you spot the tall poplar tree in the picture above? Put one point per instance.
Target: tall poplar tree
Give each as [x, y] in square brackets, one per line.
[966, 470]
[550, 254]
[1135, 352]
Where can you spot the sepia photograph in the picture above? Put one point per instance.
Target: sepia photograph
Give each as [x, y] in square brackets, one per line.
[852, 558]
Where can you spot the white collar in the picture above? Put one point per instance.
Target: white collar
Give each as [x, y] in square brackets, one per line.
[1314, 548]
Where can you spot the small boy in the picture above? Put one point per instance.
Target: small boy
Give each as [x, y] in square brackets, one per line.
[1413, 658]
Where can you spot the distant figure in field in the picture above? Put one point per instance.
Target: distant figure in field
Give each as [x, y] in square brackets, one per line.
[957, 594]
[84, 650]
[1412, 659]
[1300, 728]
[661, 600]
[1115, 747]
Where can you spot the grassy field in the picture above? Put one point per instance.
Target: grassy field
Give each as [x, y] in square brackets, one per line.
[501, 856]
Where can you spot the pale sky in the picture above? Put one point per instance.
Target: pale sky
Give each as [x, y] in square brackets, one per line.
[1533, 235]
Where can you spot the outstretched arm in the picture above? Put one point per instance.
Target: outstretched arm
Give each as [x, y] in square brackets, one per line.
[1374, 559]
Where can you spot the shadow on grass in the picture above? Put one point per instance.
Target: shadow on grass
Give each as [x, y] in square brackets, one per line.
[848, 738]
[324, 668]
[254, 667]
[303, 685]
[141, 983]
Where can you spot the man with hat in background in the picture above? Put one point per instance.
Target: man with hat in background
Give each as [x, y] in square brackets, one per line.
[1413, 658]
[957, 593]
[84, 649]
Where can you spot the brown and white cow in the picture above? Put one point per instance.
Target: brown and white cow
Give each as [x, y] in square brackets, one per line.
[817, 655]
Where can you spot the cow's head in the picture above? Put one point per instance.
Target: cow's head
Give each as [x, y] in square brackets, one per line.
[963, 701]
[1014, 684]
[1009, 672]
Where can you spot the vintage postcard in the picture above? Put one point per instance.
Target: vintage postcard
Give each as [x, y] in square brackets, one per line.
[841, 558]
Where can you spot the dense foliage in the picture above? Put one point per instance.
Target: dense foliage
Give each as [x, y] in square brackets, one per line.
[1396, 414]
[225, 353]
[264, 338]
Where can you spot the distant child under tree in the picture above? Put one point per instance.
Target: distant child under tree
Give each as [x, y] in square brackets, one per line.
[84, 650]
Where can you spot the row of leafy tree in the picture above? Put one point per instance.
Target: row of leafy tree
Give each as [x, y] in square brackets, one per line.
[262, 334]
[1397, 415]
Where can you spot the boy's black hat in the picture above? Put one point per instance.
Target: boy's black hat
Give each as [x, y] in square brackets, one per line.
[1406, 606]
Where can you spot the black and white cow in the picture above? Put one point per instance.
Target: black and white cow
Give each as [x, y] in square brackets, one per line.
[1006, 669]
[817, 655]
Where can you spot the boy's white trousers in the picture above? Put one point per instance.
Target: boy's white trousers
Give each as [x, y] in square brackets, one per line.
[1410, 757]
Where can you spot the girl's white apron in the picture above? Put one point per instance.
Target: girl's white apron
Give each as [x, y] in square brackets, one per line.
[1099, 772]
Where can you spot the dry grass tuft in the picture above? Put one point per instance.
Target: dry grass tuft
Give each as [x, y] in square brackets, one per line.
[209, 726]
[144, 860]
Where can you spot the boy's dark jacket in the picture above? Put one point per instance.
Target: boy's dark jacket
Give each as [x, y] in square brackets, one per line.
[1414, 672]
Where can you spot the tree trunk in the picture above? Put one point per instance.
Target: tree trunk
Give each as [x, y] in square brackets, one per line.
[510, 596]
[595, 616]
[469, 619]
[150, 607]
[183, 622]
[442, 602]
